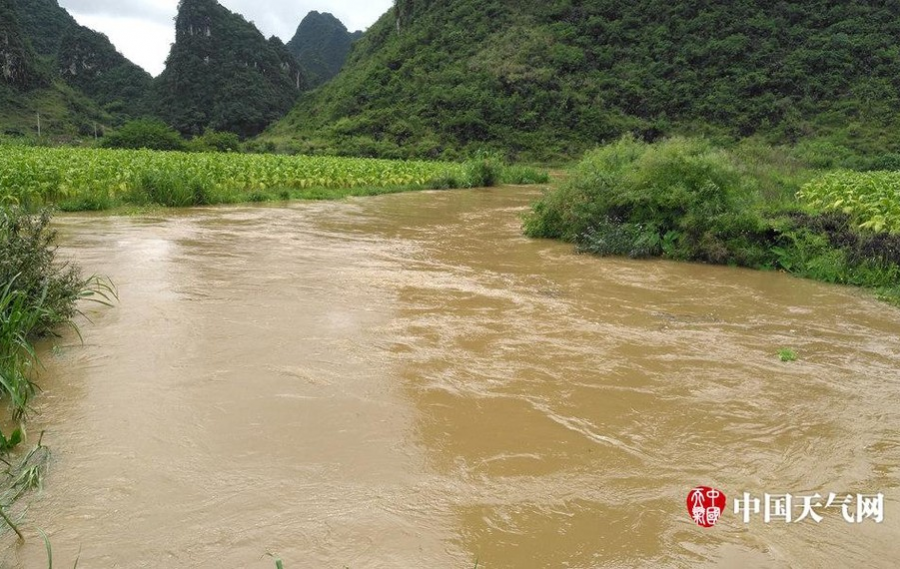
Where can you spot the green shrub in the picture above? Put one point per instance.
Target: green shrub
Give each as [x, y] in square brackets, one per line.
[523, 175]
[824, 153]
[37, 293]
[482, 171]
[170, 189]
[884, 162]
[151, 134]
[684, 199]
[578, 205]
[445, 181]
[29, 258]
[681, 198]
[214, 141]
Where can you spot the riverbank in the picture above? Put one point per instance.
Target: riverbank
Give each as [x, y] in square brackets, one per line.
[750, 205]
[38, 296]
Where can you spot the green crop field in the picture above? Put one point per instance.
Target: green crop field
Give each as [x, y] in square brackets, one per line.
[871, 199]
[93, 179]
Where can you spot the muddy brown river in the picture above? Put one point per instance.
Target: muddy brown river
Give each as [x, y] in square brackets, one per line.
[407, 381]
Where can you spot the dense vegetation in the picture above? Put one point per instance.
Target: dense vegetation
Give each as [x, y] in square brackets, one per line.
[685, 199]
[150, 134]
[69, 75]
[321, 46]
[223, 74]
[18, 64]
[870, 199]
[91, 179]
[36, 295]
[45, 24]
[83, 58]
[549, 79]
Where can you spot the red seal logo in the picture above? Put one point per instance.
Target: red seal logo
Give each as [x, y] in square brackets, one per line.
[705, 505]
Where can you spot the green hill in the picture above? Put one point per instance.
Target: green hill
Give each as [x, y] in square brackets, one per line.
[30, 93]
[18, 61]
[321, 45]
[83, 58]
[88, 61]
[547, 79]
[223, 74]
[45, 23]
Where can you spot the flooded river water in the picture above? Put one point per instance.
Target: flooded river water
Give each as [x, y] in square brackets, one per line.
[407, 381]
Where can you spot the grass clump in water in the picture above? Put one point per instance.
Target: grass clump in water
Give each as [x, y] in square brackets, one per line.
[38, 293]
[787, 355]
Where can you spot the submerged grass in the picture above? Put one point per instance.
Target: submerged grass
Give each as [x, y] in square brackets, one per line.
[787, 355]
[18, 478]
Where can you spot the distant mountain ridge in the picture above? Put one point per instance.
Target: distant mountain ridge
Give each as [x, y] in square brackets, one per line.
[321, 45]
[221, 73]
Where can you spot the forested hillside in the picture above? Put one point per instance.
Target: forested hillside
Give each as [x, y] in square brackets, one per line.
[223, 74]
[83, 58]
[18, 62]
[321, 45]
[31, 95]
[548, 79]
[45, 23]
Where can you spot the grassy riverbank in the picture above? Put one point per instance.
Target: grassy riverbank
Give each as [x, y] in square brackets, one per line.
[79, 179]
[749, 205]
[38, 294]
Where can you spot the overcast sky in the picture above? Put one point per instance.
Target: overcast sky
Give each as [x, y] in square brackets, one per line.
[143, 30]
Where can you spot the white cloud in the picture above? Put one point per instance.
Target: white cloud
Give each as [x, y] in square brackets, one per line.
[160, 11]
[145, 42]
[143, 30]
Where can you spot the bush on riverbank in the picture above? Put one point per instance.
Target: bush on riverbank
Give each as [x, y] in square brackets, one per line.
[37, 294]
[685, 199]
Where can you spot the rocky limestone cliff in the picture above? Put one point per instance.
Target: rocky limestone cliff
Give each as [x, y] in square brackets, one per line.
[17, 59]
[321, 45]
[222, 73]
[81, 57]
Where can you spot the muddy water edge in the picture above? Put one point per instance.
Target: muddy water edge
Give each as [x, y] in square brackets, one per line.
[406, 381]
